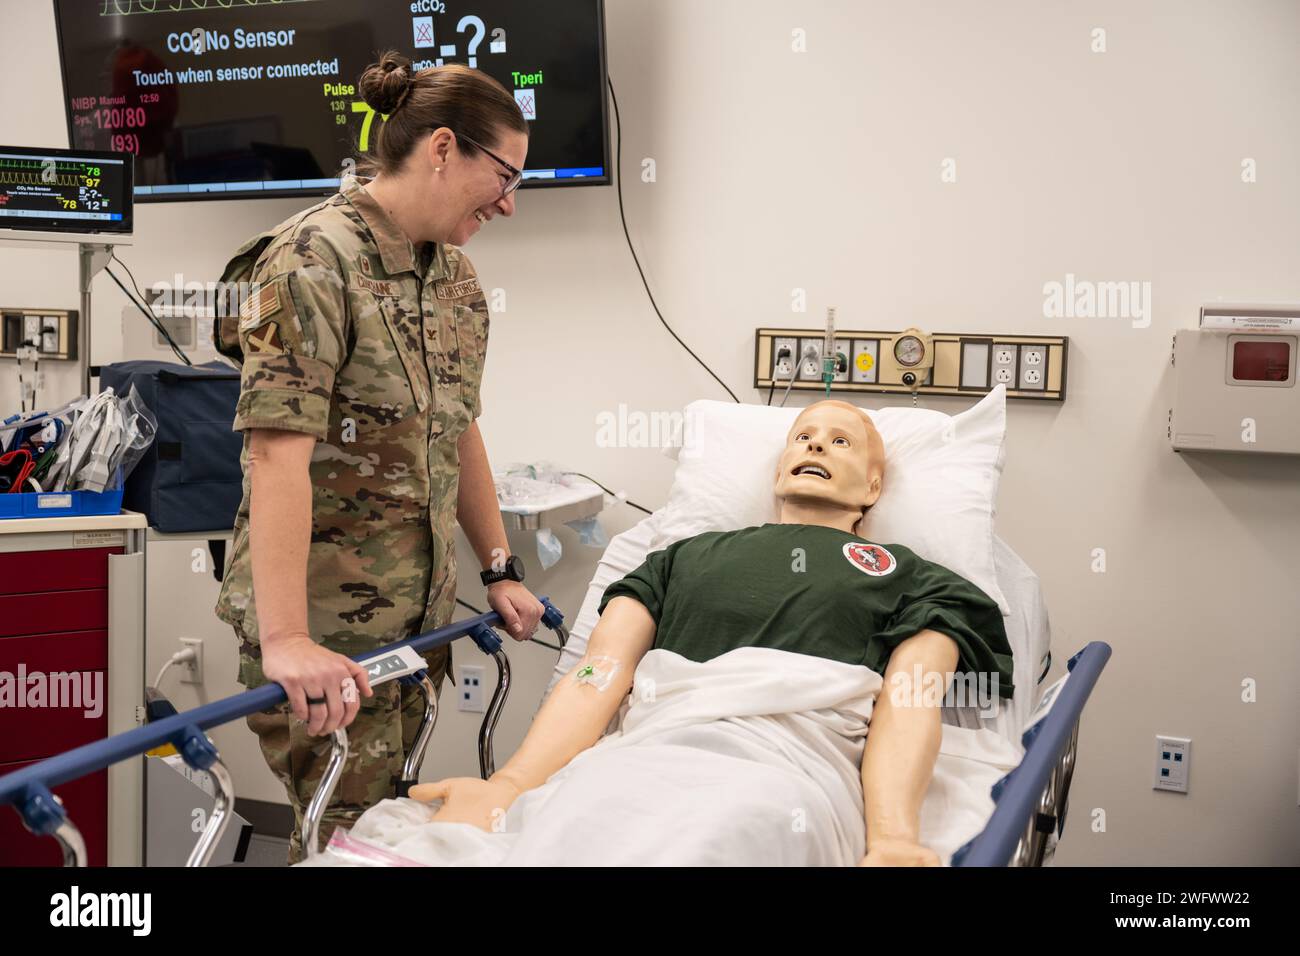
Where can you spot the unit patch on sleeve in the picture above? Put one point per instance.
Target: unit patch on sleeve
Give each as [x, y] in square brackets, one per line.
[265, 339]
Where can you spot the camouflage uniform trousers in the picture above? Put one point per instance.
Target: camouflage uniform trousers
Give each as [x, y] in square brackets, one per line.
[379, 738]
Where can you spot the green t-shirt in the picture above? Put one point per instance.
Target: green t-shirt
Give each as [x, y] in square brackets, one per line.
[812, 590]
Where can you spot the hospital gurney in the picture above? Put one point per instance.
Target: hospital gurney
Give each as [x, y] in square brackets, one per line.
[1030, 801]
[29, 789]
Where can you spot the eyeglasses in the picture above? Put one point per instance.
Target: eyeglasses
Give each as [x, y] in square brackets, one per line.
[516, 174]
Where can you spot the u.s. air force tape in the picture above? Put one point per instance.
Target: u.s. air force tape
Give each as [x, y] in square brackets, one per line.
[457, 290]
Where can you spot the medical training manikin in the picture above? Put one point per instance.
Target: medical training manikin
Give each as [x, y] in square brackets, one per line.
[751, 663]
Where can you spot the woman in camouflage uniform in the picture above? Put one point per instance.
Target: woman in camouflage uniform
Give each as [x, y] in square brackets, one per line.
[362, 349]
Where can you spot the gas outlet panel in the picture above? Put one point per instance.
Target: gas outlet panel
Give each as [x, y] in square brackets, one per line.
[1030, 366]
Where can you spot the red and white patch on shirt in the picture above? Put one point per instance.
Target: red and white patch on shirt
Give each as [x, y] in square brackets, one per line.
[870, 559]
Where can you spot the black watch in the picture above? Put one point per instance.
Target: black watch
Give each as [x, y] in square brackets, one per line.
[514, 571]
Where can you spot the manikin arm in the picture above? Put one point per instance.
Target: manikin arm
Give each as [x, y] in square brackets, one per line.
[571, 720]
[901, 749]
[579, 710]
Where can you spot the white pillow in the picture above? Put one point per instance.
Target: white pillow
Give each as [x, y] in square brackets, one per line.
[940, 485]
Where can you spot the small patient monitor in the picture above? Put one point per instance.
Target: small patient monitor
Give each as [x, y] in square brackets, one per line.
[1235, 382]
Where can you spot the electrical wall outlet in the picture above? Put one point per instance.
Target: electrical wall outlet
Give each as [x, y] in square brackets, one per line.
[192, 671]
[1173, 763]
[783, 363]
[49, 340]
[1004, 365]
[469, 688]
[810, 360]
[1033, 366]
[49, 333]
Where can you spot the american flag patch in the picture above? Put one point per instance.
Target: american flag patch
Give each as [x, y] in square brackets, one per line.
[258, 307]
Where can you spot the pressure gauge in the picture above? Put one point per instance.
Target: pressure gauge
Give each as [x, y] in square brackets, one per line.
[909, 350]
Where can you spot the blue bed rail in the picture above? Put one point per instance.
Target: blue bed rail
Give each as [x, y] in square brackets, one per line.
[1031, 799]
[29, 789]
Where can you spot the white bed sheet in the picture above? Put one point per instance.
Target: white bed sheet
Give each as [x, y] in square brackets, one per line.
[749, 759]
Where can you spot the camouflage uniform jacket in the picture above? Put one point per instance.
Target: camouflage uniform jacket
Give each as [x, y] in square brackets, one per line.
[376, 350]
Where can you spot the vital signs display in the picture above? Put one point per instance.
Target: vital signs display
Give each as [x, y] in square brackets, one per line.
[65, 190]
[238, 98]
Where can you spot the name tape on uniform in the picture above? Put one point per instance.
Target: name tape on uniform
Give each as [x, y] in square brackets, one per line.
[375, 286]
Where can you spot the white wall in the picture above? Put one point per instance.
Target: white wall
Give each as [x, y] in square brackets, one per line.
[821, 171]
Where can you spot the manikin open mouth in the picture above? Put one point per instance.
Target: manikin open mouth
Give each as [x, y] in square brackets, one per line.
[806, 469]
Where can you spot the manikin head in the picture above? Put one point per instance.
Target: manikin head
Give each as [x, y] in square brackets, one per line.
[832, 468]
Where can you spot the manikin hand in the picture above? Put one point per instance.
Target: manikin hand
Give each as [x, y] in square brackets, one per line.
[896, 852]
[481, 803]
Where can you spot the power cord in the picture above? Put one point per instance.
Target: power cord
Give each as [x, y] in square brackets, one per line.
[188, 655]
[139, 303]
[35, 349]
[783, 352]
[621, 497]
[809, 353]
[618, 162]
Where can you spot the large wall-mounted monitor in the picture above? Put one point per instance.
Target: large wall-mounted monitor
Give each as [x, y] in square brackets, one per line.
[239, 98]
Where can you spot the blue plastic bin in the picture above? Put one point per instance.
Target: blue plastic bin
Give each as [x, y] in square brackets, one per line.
[62, 504]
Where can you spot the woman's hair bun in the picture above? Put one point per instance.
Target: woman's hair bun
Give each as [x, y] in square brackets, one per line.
[384, 85]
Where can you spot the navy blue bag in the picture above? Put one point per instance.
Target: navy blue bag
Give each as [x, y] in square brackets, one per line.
[190, 478]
